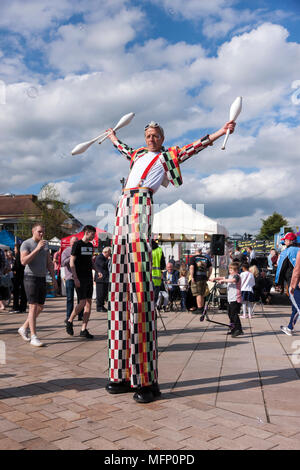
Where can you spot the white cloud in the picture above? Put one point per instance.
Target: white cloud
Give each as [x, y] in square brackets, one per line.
[219, 17]
[177, 84]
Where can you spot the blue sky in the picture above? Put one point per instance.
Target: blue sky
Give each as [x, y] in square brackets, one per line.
[70, 69]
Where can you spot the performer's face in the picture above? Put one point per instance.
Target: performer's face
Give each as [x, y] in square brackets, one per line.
[154, 139]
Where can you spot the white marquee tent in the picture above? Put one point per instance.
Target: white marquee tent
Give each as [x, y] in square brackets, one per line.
[180, 222]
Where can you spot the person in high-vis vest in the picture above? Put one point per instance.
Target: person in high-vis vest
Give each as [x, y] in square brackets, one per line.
[132, 330]
[158, 264]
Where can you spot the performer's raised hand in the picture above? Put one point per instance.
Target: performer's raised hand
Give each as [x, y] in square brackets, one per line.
[229, 125]
[112, 135]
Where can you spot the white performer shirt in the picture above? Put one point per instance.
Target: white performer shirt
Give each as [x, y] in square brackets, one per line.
[155, 176]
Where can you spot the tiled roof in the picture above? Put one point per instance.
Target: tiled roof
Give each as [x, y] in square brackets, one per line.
[14, 205]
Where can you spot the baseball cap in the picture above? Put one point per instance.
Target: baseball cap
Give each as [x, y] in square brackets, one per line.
[289, 236]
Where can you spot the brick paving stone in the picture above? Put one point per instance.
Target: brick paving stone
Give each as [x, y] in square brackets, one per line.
[140, 433]
[170, 433]
[101, 444]
[14, 416]
[20, 435]
[255, 431]
[70, 444]
[157, 442]
[6, 425]
[111, 435]
[228, 444]
[197, 444]
[220, 430]
[228, 423]
[68, 415]
[145, 423]
[31, 424]
[174, 422]
[39, 444]
[80, 434]
[4, 407]
[254, 443]
[284, 442]
[50, 434]
[89, 424]
[10, 444]
[95, 415]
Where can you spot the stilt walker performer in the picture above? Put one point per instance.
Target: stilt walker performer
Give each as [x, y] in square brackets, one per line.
[132, 333]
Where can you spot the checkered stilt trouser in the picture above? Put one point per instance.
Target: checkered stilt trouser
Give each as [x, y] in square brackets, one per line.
[132, 337]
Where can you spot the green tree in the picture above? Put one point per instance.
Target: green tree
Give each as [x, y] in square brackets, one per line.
[271, 225]
[54, 214]
[54, 211]
[24, 227]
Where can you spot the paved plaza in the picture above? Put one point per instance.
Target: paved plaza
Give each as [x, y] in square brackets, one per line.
[217, 392]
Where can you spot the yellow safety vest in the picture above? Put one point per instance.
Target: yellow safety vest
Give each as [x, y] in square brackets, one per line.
[156, 271]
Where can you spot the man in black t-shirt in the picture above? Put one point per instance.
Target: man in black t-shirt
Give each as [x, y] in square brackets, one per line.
[200, 271]
[82, 270]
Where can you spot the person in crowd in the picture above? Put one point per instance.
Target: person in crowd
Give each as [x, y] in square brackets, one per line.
[236, 255]
[183, 286]
[272, 260]
[247, 284]
[101, 265]
[82, 270]
[68, 277]
[234, 298]
[251, 254]
[170, 278]
[57, 265]
[262, 287]
[294, 292]
[36, 258]
[4, 290]
[10, 275]
[200, 271]
[150, 167]
[158, 265]
[19, 294]
[286, 260]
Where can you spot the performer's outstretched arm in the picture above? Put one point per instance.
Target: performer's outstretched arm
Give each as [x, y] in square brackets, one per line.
[123, 148]
[191, 149]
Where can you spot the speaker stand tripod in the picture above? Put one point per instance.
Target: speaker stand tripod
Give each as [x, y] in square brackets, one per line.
[211, 297]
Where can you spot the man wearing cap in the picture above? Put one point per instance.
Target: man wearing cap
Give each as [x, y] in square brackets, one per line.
[132, 336]
[287, 259]
[285, 267]
[291, 265]
[294, 292]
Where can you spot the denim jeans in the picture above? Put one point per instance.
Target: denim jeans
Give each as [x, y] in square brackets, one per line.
[295, 315]
[183, 295]
[70, 287]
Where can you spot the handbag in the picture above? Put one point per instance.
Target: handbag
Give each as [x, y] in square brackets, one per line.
[5, 280]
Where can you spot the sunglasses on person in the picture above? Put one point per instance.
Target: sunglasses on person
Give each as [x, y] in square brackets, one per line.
[151, 124]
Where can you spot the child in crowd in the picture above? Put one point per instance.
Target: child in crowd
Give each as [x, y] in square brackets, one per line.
[183, 286]
[234, 298]
[247, 284]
